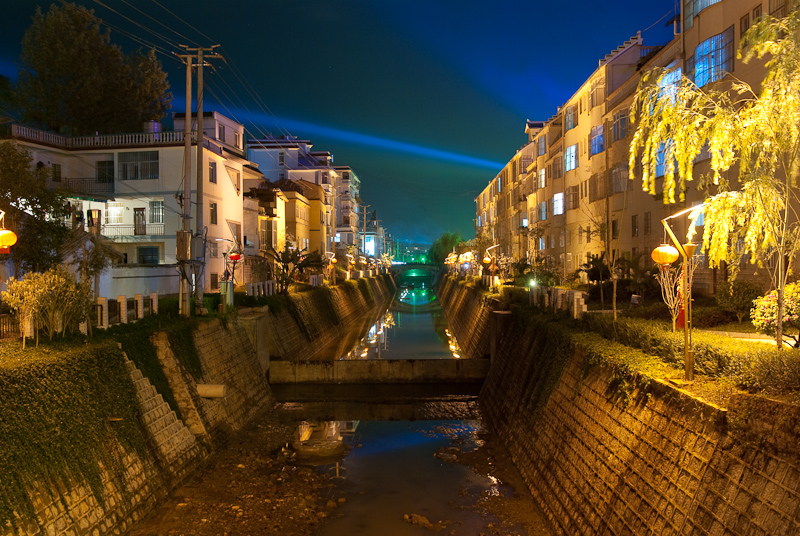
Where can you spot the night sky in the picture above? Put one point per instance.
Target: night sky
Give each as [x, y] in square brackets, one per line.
[424, 99]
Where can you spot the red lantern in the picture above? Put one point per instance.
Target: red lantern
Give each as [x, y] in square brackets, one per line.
[664, 255]
[7, 239]
[234, 257]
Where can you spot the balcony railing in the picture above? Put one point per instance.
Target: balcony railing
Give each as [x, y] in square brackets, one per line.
[147, 229]
[106, 140]
[89, 186]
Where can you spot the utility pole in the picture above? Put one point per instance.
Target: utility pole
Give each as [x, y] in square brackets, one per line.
[199, 252]
[181, 254]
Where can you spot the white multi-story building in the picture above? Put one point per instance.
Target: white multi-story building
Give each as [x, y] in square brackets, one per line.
[347, 207]
[131, 187]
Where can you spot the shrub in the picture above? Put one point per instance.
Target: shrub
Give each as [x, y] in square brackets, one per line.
[765, 311]
[737, 297]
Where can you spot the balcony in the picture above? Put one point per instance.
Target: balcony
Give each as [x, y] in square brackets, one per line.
[144, 229]
[106, 140]
[86, 186]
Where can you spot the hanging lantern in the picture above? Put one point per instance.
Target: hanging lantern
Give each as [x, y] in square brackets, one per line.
[487, 259]
[7, 239]
[334, 261]
[664, 255]
[234, 257]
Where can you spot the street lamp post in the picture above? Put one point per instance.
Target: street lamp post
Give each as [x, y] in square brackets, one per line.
[686, 251]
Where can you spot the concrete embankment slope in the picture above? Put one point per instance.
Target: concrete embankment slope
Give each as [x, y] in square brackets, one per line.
[664, 463]
[175, 419]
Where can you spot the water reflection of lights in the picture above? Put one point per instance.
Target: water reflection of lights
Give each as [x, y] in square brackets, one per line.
[452, 343]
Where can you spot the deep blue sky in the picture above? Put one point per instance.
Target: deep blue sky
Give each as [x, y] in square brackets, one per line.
[424, 99]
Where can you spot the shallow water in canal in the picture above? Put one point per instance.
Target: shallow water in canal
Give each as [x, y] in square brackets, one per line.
[415, 457]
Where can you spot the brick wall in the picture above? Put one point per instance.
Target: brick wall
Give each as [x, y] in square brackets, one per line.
[664, 463]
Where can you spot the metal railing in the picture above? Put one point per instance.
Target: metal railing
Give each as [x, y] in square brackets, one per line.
[113, 230]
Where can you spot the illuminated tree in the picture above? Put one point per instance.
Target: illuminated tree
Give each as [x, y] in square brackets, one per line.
[755, 135]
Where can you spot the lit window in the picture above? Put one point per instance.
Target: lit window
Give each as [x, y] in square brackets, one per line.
[542, 178]
[542, 149]
[597, 143]
[558, 204]
[114, 213]
[570, 118]
[571, 158]
[713, 59]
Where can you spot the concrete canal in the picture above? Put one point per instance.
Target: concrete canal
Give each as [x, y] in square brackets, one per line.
[364, 459]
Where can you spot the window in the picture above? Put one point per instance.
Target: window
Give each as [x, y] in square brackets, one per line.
[668, 84]
[558, 204]
[619, 178]
[542, 244]
[588, 234]
[212, 172]
[561, 239]
[542, 211]
[558, 168]
[140, 165]
[756, 13]
[281, 176]
[55, 172]
[635, 225]
[619, 127]
[614, 229]
[542, 147]
[104, 171]
[221, 136]
[646, 223]
[235, 177]
[114, 212]
[147, 254]
[597, 93]
[542, 178]
[572, 198]
[744, 25]
[281, 158]
[692, 8]
[596, 144]
[214, 281]
[712, 60]
[156, 212]
[571, 158]
[570, 118]
[213, 248]
[661, 162]
[212, 216]
[237, 142]
[777, 8]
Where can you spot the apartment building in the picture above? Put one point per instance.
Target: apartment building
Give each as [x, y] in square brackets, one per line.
[347, 208]
[573, 171]
[129, 188]
[282, 158]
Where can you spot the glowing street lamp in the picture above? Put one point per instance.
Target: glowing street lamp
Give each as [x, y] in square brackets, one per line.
[665, 253]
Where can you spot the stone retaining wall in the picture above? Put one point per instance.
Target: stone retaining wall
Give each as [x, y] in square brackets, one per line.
[665, 463]
[175, 447]
[289, 341]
